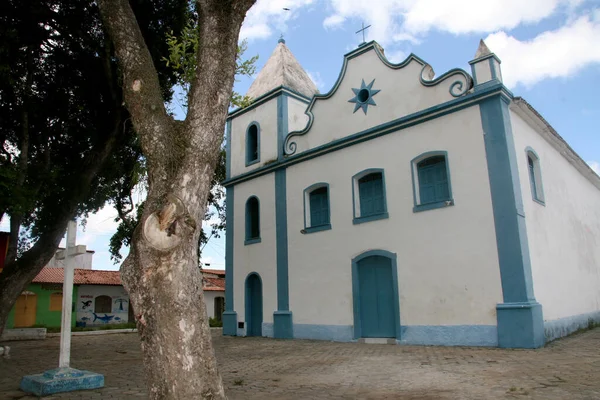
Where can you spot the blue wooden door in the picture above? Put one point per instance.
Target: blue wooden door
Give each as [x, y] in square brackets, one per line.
[377, 316]
[254, 306]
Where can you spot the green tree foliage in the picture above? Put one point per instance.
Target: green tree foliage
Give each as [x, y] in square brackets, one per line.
[182, 58]
[66, 141]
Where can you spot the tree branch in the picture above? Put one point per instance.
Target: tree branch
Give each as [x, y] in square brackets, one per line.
[141, 87]
[218, 41]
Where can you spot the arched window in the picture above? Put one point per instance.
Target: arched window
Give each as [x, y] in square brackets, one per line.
[431, 181]
[316, 208]
[253, 143]
[369, 196]
[535, 176]
[103, 304]
[252, 220]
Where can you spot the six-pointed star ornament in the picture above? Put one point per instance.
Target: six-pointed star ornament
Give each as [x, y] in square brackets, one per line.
[364, 96]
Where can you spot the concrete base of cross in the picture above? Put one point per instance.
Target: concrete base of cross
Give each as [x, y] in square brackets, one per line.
[61, 380]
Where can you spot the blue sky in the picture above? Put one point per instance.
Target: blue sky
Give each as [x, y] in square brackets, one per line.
[549, 50]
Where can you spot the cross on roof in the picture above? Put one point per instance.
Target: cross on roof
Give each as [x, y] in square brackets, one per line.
[364, 28]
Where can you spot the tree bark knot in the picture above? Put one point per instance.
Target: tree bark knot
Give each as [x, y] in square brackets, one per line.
[161, 230]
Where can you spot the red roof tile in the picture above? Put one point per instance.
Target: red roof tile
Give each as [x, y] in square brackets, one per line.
[99, 277]
[220, 272]
[81, 277]
[214, 284]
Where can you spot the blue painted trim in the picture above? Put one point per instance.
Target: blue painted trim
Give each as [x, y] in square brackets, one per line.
[433, 206]
[493, 69]
[282, 322]
[474, 75]
[393, 126]
[374, 217]
[458, 88]
[283, 327]
[228, 149]
[247, 310]
[420, 335]
[306, 193]
[537, 173]
[415, 178]
[357, 219]
[450, 335]
[282, 123]
[248, 239]
[491, 55]
[334, 333]
[267, 329]
[257, 160]
[561, 327]
[520, 325]
[317, 228]
[266, 97]
[229, 316]
[356, 289]
[517, 326]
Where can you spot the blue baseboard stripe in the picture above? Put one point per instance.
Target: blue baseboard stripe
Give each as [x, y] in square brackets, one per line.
[450, 335]
[561, 327]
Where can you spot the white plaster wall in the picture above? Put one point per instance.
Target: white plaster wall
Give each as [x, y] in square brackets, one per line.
[257, 257]
[297, 119]
[90, 292]
[209, 301]
[448, 270]
[564, 235]
[266, 115]
[401, 94]
[483, 71]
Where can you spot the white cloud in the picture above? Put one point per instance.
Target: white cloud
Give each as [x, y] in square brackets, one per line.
[333, 21]
[595, 166]
[404, 20]
[552, 54]
[268, 15]
[317, 79]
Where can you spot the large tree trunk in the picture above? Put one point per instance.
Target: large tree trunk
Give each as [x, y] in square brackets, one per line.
[161, 272]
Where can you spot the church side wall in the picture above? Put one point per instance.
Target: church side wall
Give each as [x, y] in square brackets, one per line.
[256, 257]
[264, 115]
[564, 235]
[448, 274]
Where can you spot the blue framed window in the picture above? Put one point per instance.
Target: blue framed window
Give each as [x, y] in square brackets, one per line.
[368, 192]
[252, 221]
[535, 176]
[431, 181]
[253, 143]
[316, 208]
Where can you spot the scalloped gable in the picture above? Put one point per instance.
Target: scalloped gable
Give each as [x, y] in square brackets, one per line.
[394, 91]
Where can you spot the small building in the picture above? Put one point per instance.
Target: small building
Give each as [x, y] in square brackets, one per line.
[214, 292]
[406, 207]
[98, 298]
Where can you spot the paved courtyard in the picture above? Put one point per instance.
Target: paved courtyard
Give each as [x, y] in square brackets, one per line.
[258, 368]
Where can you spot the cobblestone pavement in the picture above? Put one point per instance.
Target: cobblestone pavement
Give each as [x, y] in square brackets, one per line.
[259, 368]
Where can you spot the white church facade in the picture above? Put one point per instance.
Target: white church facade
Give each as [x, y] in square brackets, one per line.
[405, 207]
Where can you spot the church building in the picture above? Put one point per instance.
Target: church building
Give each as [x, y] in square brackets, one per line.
[404, 207]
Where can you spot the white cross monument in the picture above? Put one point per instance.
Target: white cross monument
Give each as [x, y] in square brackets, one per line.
[64, 378]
